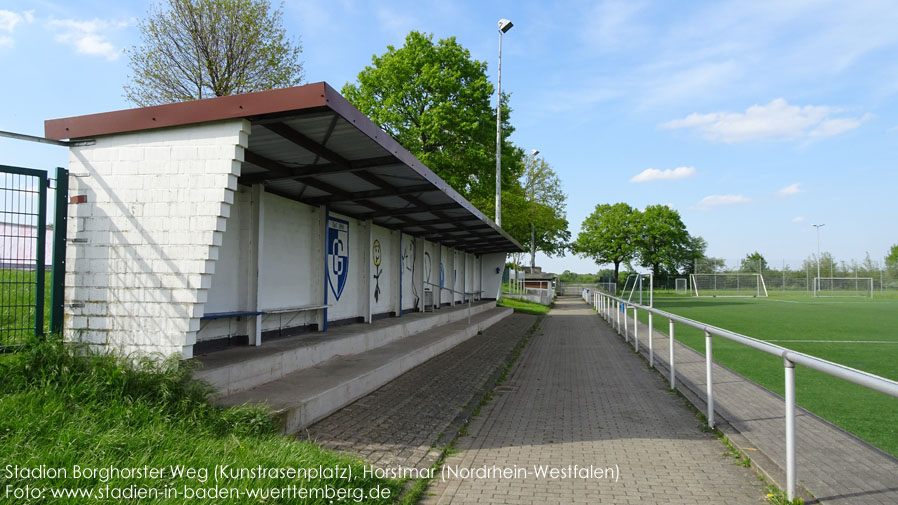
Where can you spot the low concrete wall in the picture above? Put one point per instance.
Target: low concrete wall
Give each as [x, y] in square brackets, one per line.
[543, 299]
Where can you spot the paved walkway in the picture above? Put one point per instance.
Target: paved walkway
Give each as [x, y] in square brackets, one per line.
[834, 466]
[400, 423]
[579, 396]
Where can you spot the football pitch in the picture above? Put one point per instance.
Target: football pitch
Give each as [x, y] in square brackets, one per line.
[861, 333]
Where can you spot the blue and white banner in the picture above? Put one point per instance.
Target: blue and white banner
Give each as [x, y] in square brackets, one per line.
[337, 255]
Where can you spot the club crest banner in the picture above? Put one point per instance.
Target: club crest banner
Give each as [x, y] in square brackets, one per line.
[337, 255]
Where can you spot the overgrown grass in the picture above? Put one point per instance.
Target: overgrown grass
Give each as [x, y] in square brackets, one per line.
[17, 290]
[526, 307]
[62, 406]
[815, 327]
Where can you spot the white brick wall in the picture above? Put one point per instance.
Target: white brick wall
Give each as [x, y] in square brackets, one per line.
[157, 205]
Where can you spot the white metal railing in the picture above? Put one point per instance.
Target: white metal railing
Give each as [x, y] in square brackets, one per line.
[464, 296]
[607, 305]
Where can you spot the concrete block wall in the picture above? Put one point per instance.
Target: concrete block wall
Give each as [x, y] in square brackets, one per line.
[157, 205]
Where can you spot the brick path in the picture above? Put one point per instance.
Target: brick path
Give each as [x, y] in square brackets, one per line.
[834, 466]
[579, 396]
[399, 423]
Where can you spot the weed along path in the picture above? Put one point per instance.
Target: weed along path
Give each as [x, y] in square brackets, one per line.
[581, 419]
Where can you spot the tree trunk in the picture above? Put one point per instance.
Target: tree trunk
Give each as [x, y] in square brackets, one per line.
[532, 247]
[616, 273]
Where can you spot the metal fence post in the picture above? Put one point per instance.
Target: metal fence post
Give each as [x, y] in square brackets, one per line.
[635, 331]
[57, 288]
[651, 348]
[41, 257]
[790, 428]
[708, 378]
[673, 375]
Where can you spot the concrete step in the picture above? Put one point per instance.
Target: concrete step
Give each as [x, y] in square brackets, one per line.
[241, 368]
[303, 397]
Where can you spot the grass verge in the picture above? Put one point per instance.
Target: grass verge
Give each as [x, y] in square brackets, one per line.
[526, 307]
[62, 406]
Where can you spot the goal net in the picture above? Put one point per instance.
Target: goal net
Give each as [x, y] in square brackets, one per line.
[682, 287]
[638, 289]
[843, 286]
[728, 285]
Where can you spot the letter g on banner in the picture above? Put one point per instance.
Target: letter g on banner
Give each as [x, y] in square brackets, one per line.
[337, 255]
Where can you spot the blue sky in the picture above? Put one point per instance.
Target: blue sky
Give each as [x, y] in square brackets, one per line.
[752, 119]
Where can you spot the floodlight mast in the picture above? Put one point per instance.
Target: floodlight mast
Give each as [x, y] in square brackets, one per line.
[818, 226]
[504, 26]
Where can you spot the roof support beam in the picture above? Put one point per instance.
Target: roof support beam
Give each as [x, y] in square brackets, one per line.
[278, 171]
[421, 188]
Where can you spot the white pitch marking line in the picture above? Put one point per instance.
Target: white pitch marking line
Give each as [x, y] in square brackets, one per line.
[840, 341]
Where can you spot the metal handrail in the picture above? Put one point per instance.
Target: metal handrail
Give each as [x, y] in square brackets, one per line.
[462, 293]
[605, 303]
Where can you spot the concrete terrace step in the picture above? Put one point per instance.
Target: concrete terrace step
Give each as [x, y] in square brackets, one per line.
[303, 397]
[241, 368]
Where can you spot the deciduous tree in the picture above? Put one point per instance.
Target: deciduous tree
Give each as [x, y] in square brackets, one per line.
[193, 49]
[435, 100]
[546, 204]
[608, 235]
[662, 239]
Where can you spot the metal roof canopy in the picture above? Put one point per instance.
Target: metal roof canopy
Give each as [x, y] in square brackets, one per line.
[309, 144]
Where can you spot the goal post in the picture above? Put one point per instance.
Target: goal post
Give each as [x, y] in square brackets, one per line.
[730, 285]
[860, 287]
[682, 286]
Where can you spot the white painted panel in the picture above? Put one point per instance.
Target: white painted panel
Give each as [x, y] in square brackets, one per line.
[410, 265]
[492, 280]
[383, 272]
[287, 264]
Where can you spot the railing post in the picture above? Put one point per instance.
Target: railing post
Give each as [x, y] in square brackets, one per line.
[635, 330]
[626, 325]
[673, 374]
[709, 379]
[790, 428]
[617, 311]
[651, 349]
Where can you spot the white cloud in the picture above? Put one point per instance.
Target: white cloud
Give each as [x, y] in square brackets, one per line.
[776, 120]
[718, 200]
[8, 22]
[88, 37]
[791, 189]
[798, 219]
[653, 174]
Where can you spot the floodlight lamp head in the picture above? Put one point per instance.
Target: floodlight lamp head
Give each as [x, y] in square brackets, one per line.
[534, 152]
[505, 25]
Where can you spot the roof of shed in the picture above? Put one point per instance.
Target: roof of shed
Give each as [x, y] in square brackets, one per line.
[309, 144]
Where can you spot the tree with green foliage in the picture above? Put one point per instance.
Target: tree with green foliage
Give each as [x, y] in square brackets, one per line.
[662, 239]
[194, 49]
[546, 204]
[434, 99]
[892, 259]
[753, 263]
[693, 255]
[608, 235]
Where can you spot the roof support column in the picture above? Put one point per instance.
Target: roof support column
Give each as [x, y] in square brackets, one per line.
[367, 259]
[419, 257]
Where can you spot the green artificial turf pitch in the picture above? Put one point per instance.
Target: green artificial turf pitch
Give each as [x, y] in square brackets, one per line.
[861, 333]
